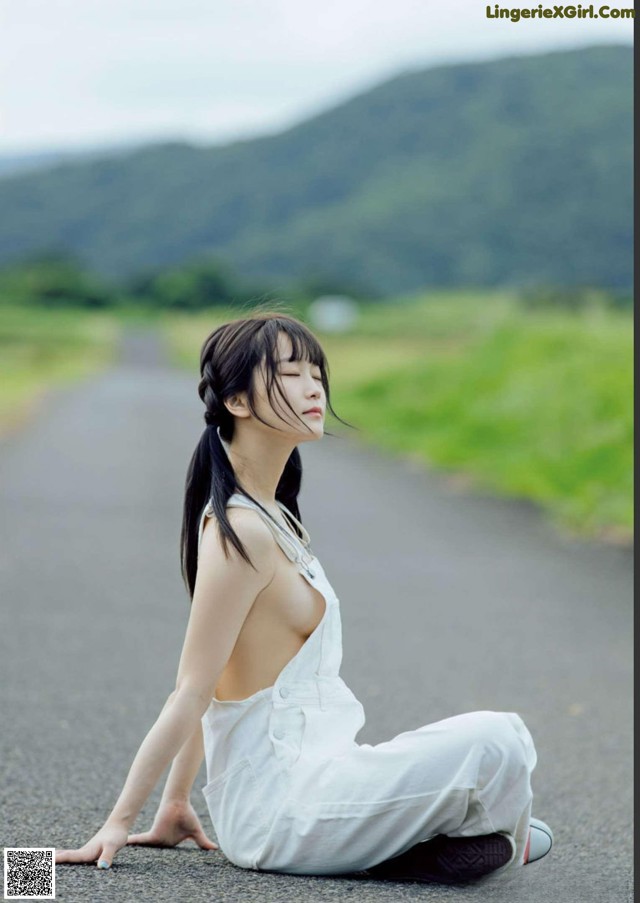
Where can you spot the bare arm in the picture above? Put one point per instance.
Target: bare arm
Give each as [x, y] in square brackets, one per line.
[224, 594]
[176, 819]
[174, 725]
[184, 769]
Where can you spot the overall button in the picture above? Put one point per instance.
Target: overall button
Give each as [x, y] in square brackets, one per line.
[278, 733]
[284, 692]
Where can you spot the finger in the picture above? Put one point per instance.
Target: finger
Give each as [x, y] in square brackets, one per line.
[73, 856]
[145, 837]
[106, 857]
[152, 842]
[203, 841]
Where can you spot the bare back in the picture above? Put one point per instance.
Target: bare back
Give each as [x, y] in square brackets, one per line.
[283, 616]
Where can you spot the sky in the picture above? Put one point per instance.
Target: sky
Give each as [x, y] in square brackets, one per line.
[81, 74]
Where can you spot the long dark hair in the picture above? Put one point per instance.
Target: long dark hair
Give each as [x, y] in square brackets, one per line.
[228, 360]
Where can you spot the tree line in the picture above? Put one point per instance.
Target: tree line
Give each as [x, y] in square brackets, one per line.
[60, 280]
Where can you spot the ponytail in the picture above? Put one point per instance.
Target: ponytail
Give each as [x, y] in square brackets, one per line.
[211, 478]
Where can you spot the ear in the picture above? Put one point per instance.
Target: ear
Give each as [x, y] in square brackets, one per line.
[237, 405]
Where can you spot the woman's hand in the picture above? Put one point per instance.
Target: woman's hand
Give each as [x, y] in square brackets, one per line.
[102, 847]
[175, 821]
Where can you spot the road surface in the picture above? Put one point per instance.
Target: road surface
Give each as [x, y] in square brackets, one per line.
[451, 602]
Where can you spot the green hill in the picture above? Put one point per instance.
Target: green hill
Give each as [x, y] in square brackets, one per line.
[507, 172]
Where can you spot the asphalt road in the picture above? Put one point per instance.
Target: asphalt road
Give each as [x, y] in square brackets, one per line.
[451, 601]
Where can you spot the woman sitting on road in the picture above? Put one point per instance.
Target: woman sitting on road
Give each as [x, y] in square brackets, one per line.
[258, 690]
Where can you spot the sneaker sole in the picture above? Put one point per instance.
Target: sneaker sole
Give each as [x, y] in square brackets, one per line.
[447, 860]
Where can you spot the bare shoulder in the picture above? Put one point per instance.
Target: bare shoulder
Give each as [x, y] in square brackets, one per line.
[251, 529]
[252, 532]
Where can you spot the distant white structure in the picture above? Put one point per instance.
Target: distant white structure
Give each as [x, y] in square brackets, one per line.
[333, 313]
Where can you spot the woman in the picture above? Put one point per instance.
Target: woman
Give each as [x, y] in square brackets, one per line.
[258, 691]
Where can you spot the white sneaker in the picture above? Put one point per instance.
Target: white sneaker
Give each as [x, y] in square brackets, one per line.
[540, 840]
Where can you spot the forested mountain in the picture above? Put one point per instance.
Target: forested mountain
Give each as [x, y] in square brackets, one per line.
[16, 162]
[501, 172]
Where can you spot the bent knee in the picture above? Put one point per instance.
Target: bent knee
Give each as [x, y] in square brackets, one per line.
[500, 733]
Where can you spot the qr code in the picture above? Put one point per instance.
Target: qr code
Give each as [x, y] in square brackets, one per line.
[29, 873]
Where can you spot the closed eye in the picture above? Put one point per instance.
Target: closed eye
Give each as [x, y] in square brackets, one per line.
[297, 374]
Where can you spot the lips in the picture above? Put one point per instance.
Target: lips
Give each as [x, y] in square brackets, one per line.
[313, 411]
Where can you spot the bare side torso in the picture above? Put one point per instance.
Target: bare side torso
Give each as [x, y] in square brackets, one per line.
[284, 614]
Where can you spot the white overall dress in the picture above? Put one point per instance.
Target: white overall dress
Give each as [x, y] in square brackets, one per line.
[289, 789]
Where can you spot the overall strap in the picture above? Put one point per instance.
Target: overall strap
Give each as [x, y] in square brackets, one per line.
[236, 501]
[295, 549]
[306, 539]
[289, 544]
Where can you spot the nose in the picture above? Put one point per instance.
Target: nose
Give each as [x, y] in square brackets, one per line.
[315, 388]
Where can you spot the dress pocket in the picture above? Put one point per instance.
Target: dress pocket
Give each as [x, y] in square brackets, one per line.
[233, 802]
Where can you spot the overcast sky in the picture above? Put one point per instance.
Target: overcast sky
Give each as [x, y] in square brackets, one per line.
[86, 73]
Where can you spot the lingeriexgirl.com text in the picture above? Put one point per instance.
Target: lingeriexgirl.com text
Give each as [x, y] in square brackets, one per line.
[559, 12]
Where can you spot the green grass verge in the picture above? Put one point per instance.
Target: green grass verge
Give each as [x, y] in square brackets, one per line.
[531, 405]
[41, 349]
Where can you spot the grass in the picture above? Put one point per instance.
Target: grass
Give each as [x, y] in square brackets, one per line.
[185, 333]
[41, 349]
[535, 405]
